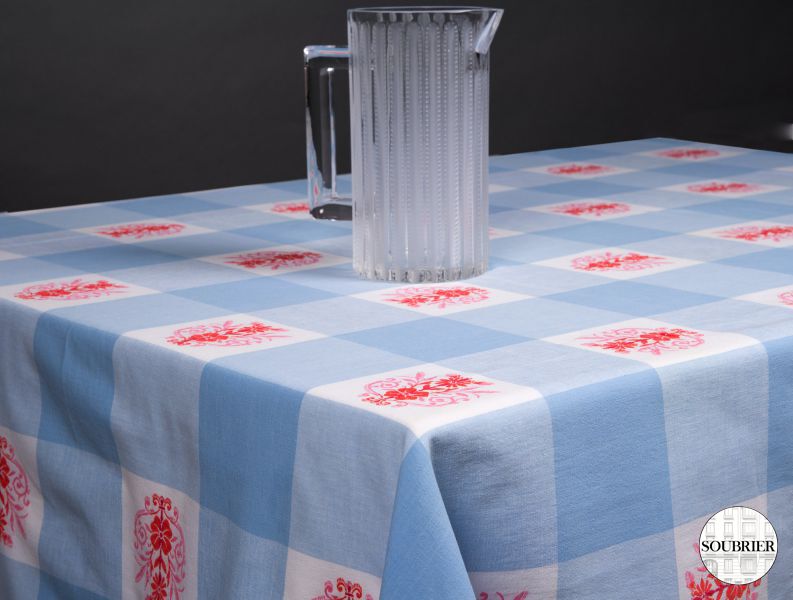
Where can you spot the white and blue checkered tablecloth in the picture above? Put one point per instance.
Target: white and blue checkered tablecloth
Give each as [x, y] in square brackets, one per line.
[199, 399]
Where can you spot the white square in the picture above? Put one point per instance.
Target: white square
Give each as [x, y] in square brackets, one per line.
[309, 578]
[276, 260]
[146, 230]
[424, 397]
[653, 342]
[691, 153]
[294, 209]
[762, 233]
[617, 263]
[579, 170]
[89, 288]
[159, 536]
[723, 188]
[594, 209]
[226, 335]
[20, 497]
[781, 296]
[494, 233]
[441, 299]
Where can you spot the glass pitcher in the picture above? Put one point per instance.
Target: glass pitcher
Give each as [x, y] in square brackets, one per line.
[419, 91]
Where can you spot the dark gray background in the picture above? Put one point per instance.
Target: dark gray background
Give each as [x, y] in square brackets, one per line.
[101, 99]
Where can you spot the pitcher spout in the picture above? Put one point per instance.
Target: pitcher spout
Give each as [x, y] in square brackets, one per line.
[488, 32]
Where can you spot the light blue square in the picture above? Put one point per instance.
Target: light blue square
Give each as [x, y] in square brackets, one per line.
[181, 274]
[248, 195]
[247, 434]
[587, 188]
[779, 260]
[17, 580]
[155, 414]
[522, 198]
[537, 280]
[538, 317]
[253, 294]
[433, 339]
[702, 399]
[99, 260]
[52, 588]
[167, 206]
[530, 220]
[537, 246]
[780, 414]
[515, 524]
[20, 270]
[605, 234]
[632, 298]
[79, 217]
[233, 563]
[745, 209]
[205, 244]
[590, 153]
[717, 279]
[340, 514]
[75, 365]
[611, 463]
[20, 389]
[602, 574]
[79, 547]
[676, 220]
[296, 231]
[693, 247]
[712, 169]
[522, 179]
[12, 226]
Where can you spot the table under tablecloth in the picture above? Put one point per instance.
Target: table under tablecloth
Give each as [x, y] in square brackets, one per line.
[199, 399]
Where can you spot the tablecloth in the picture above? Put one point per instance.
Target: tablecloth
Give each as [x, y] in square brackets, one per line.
[199, 399]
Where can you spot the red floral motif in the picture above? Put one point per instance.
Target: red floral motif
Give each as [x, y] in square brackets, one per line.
[349, 591]
[608, 261]
[14, 494]
[754, 233]
[227, 333]
[690, 153]
[440, 297]
[596, 209]
[76, 289]
[142, 230]
[576, 169]
[786, 298]
[715, 187]
[644, 339]
[423, 390]
[159, 549]
[500, 596]
[707, 587]
[290, 207]
[275, 259]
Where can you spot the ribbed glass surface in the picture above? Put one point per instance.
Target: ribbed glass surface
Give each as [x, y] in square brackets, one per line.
[419, 112]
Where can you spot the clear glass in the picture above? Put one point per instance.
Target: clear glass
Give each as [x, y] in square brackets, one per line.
[419, 91]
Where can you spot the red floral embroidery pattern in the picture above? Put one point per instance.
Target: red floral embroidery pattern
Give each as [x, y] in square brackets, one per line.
[14, 494]
[608, 261]
[644, 339]
[786, 298]
[596, 209]
[227, 333]
[275, 259]
[754, 233]
[707, 587]
[159, 549]
[76, 289]
[437, 296]
[290, 207]
[142, 230]
[576, 169]
[423, 390]
[349, 591]
[690, 153]
[716, 188]
[500, 596]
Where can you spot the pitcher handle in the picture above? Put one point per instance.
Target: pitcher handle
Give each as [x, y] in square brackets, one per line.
[320, 63]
